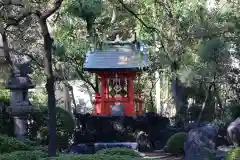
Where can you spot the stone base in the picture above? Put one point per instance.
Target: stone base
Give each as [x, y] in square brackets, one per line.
[99, 146]
[92, 148]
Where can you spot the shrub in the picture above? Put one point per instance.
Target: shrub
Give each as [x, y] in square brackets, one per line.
[65, 127]
[31, 143]
[6, 122]
[175, 144]
[234, 154]
[5, 96]
[10, 144]
[23, 155]
[119, 151]
[234, 111]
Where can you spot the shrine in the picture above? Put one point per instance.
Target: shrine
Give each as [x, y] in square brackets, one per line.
[117, 64]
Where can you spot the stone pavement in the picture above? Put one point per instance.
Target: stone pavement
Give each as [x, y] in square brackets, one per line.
[159, 154]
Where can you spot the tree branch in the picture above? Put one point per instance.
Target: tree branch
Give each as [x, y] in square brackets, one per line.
[143, 23]
[81, 75]
[29, 55]
[5, 48]
[136, 16]
[52, 10]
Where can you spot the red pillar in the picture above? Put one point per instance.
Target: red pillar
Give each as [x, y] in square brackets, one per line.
[130, 109]
[104, 109]
[140, 111]
[97, 104]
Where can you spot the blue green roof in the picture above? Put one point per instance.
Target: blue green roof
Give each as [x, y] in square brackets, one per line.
[116, 57]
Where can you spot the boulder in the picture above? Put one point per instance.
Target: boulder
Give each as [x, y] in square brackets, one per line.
[193, 125]
[144, 144]
[199, 142]
[233, 132]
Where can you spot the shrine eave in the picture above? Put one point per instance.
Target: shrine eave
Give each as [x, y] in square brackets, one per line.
[115, 69]
[115, 61]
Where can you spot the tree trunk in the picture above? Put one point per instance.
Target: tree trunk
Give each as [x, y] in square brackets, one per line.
[50, 87]
[67, 100]
[176, 92]
[204, 103]
[219, 107]
[6, 49]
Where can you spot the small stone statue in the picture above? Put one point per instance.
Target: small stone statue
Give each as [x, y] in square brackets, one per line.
[117, 110]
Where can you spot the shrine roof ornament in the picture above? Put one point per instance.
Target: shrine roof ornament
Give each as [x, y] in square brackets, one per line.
[118, 55]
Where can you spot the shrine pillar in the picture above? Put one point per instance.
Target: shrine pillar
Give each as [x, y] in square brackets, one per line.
[104, 109]
[130, 110]
[97, 104]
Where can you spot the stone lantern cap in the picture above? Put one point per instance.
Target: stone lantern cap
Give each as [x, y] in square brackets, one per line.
[20, 79]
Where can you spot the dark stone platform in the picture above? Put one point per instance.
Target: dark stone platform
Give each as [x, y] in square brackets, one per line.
[94, 147]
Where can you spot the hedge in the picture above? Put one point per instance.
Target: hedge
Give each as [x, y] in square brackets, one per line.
[10, 144]
[23, 155]
[175, 144]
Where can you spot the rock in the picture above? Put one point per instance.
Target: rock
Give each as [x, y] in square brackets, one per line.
[193, 125]
[144, 144]
[233, 132]
[199, 142]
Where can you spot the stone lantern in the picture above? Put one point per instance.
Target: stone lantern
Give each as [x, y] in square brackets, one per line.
[19, 83]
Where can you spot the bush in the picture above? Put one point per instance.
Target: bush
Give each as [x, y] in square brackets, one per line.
[23, 155]
[10, 144]
[175, 144]
[6, 122]
[234, 111]
[234, 154]
[119, 151]
[65, 127]
[31, 143]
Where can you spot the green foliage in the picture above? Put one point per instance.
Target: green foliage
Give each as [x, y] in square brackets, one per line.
[4, 96]
[234, 154]
[86, 9]
[175, 144]
[65, 127]
[119, 151]
[234, 111]
[23, 155]
[213, 50]
[6, 122]
[9, 144]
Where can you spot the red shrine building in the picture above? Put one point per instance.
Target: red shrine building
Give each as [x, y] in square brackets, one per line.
[117, 65]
